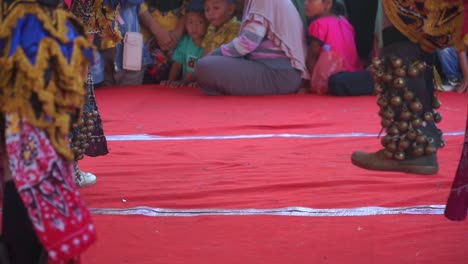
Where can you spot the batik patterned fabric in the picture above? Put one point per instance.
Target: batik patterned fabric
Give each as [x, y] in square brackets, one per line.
[82, 9]
[100, 18]
[43, 59]
[44, 181]
[431, 23]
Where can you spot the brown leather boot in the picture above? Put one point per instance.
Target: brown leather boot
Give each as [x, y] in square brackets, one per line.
[425, 165]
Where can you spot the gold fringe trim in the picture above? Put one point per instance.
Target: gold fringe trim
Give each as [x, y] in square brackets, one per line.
[20, 80]
[110, 35]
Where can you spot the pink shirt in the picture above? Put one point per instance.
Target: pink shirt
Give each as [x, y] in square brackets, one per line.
[339, 34]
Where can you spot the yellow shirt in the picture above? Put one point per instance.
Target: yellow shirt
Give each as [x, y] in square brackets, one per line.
[225, 34]
[166, 21]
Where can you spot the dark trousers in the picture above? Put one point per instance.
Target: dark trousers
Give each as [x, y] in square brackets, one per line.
[362, 16]
[19, 237]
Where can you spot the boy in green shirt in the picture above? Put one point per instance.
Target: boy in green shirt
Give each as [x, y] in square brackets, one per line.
[189, 48]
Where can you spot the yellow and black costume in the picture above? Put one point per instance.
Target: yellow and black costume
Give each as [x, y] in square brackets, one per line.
[44, 61]
[44, 57]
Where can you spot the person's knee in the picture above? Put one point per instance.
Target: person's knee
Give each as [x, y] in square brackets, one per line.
[204, 68]
[205, 77]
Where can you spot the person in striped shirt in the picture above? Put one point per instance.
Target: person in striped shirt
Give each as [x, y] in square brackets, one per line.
[266, 58]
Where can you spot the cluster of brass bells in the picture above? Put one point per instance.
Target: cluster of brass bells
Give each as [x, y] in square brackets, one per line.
[84, 132]
[401, 111]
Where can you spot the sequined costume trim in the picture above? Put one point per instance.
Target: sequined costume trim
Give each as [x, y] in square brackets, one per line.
[103, 22]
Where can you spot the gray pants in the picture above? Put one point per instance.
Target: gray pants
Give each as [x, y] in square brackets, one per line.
[220, 75]
[128, 78]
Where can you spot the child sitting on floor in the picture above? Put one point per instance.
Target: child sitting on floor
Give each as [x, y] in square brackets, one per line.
[162, 27]
[224, 26]
[189, 48]
[330, 31]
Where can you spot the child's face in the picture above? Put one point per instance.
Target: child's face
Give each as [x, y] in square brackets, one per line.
[195, 24]
[315, 7]
[218, 12]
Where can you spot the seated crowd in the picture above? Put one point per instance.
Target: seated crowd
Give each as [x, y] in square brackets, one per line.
[246, 47]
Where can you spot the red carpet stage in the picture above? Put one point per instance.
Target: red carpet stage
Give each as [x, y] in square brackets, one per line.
[196, 179]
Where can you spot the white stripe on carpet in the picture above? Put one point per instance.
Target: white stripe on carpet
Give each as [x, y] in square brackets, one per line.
[287, 211]
[146, 137]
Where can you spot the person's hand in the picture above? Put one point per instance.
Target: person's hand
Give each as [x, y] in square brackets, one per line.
[463, 88]
[165, 40]
[172, 42]
[176, 36]
[162, 36]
